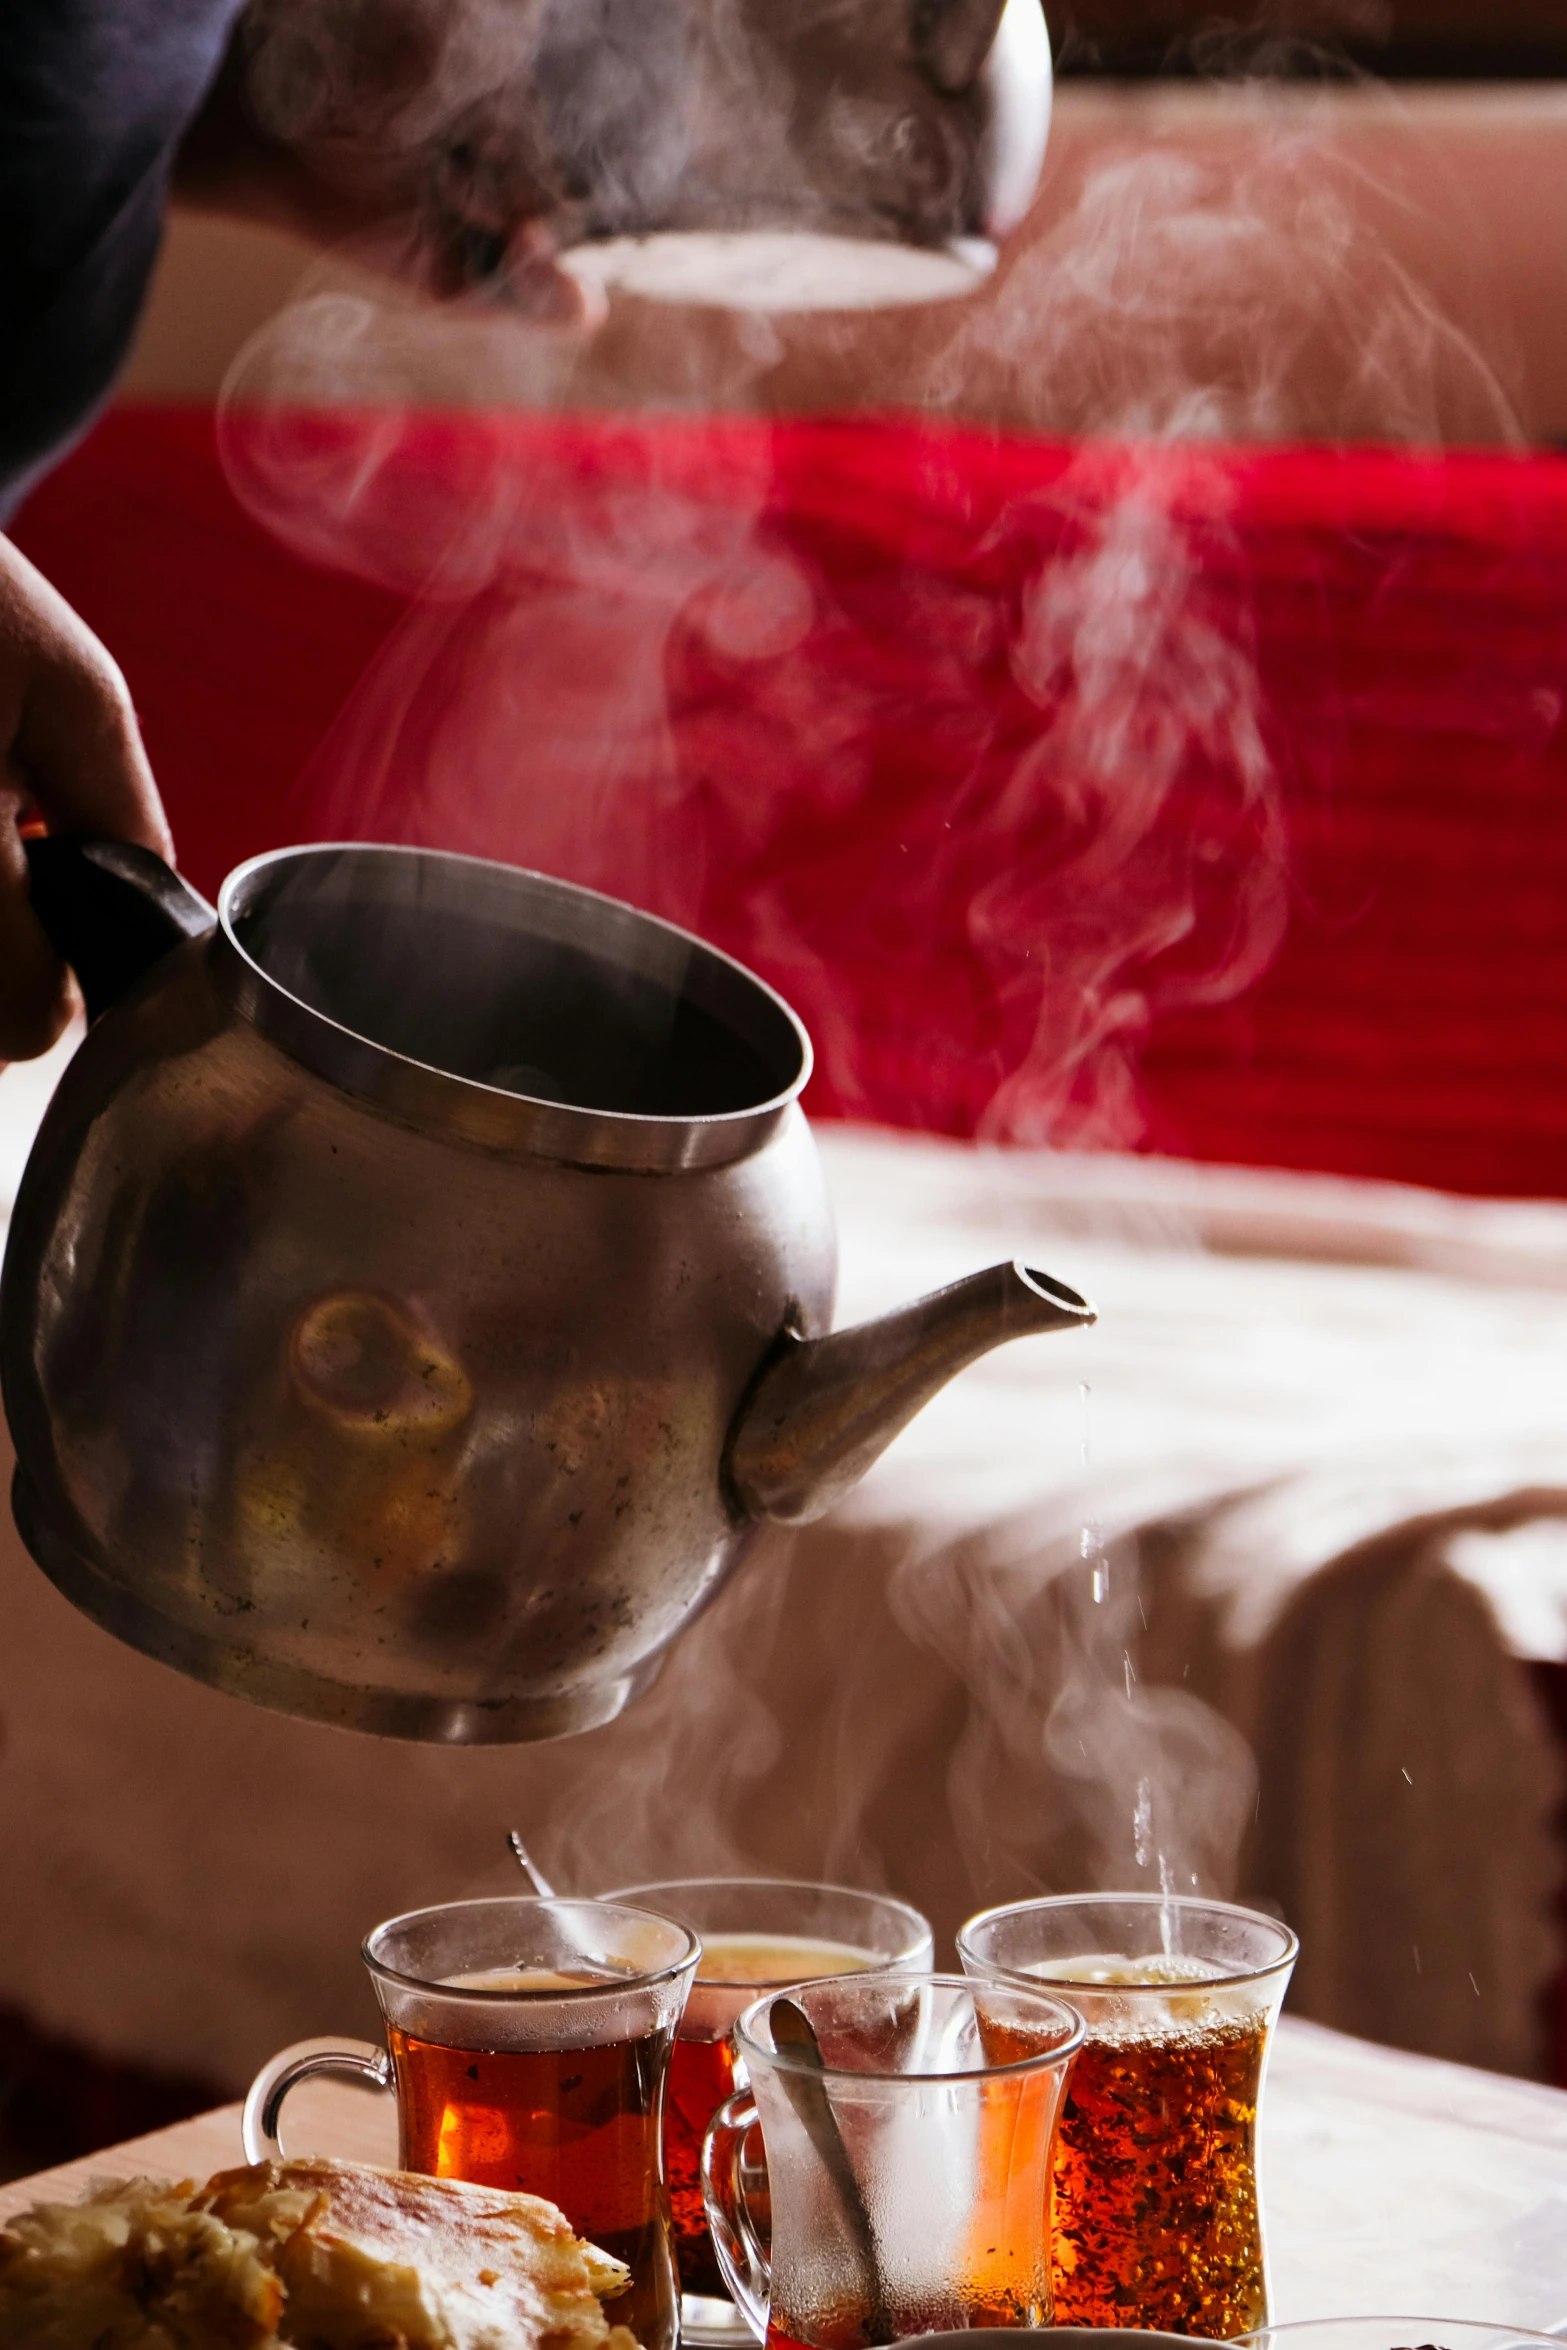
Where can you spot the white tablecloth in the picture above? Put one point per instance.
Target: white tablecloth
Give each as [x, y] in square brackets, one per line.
[1394, 2183]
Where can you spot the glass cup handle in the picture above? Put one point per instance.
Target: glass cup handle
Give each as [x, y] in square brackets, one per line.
[745, 2266]
[359, 2060]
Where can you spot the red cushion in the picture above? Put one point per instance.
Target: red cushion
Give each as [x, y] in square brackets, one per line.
[950, 735]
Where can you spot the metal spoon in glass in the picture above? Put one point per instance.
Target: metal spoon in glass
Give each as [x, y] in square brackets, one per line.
[807, 2093]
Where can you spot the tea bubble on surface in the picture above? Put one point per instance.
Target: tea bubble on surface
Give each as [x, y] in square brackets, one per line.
[1113, 1967]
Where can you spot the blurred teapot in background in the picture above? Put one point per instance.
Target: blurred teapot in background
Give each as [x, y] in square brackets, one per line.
[779, 154]
[420, 1289]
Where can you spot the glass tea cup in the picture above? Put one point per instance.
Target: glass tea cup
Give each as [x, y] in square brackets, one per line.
[1158, 2219]
[757, 1933]
[908, 2123]
[527, 2043]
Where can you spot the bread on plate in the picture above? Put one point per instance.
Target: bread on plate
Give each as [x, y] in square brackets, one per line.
[314, 2255]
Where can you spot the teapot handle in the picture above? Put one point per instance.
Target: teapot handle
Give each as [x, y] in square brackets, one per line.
[111, 910]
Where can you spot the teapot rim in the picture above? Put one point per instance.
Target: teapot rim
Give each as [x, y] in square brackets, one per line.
[422, 1093]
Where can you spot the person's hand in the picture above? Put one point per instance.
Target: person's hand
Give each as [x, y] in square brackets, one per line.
[365, 123]
[69, 747]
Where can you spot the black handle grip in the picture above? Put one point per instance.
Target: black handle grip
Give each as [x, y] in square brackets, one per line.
[111, 910]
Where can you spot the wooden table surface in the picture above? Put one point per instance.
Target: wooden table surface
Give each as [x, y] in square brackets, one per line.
[1392, 2183]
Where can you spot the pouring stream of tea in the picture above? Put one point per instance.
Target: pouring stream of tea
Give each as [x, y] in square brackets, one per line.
[529, 1867]
[1095, 1556]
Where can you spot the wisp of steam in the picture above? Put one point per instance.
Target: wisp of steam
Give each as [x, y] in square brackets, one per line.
[1070, 1771]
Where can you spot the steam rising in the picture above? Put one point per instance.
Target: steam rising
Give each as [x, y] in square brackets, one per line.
[960, 1725]
[1139, 683]
[627, 664]
[1238, 293]
[1070, 1772]
[603, 555]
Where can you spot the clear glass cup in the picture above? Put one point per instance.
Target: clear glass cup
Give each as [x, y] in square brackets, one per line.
[908, 2123]
[527, 2044]
[757, 1933]
[1157, 2215]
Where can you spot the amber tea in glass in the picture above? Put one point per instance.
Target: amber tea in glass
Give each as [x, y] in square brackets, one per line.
[756, 1933]
[528, 2043]
[1157, 2220]
[908, 2157]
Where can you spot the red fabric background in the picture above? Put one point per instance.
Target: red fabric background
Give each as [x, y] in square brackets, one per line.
[1409, 618]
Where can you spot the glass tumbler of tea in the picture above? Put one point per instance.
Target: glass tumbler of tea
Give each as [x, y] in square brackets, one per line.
[527, 2043]
[907, 2123]
[757, 1933]
[1158, 2219]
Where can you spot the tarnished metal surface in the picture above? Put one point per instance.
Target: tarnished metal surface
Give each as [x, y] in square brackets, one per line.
[400, 1430]
[351, 1375]
[825, 1408]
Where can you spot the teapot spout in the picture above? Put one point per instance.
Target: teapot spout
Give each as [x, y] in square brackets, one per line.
[821, 1410]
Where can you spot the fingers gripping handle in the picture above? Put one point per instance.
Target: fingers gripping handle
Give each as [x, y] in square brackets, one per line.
[745, 2266]
[355, 2060]
[111, 910]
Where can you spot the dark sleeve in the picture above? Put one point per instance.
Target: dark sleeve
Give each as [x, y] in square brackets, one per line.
[95, 96]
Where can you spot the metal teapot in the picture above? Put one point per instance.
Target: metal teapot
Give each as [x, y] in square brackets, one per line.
[416, 1297]
[786, 154]
[771, 153]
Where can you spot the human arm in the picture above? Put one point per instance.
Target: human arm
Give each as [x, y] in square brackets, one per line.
[69, 746]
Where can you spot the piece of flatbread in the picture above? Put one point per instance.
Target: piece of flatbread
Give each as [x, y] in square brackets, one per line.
[315, 2255]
